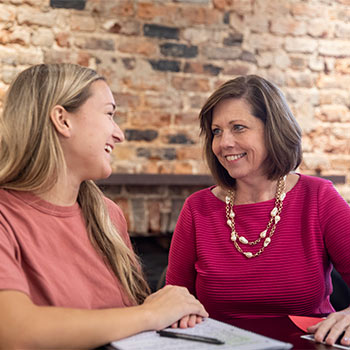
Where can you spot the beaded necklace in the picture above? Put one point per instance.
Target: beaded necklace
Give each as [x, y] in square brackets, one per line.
[266, 234]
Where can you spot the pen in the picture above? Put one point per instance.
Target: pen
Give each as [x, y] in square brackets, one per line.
[190, 337]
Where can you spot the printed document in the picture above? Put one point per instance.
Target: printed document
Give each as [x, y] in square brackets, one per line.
[234, 338]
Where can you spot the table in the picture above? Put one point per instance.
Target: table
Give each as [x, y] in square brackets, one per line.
[280, 328]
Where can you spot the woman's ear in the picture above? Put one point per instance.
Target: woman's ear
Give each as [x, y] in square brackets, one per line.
[60, 119]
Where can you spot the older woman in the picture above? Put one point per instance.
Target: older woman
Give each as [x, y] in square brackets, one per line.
[68, 275]
[263, 240]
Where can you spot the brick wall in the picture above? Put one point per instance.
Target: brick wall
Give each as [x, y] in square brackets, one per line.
[163, 58]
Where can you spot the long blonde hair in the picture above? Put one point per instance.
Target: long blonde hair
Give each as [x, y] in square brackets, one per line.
[31, 157]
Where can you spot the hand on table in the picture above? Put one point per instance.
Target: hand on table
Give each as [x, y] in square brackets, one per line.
[332, 327]
[175, 306]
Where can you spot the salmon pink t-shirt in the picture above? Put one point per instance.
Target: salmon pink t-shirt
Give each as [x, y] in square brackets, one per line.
[45, 253]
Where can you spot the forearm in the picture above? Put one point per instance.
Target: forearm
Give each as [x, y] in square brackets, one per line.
[34, 327]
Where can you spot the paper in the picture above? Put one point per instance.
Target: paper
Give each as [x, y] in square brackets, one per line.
[311, 337]
[304, 322]
[232, 336]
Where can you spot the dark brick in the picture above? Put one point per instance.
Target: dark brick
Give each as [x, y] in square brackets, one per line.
[211, 69]
[68, 4]
[178, 50]
[129, 63]
[115, 28]
[180, 139]
[99, 44]
[165, 65]
[226, 18]
[157, 153]
[233, 39]
[140, 135]
[157, 31]
[248, 57]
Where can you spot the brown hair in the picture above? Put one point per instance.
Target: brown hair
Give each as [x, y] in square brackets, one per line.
[282, 132]
[31, 157]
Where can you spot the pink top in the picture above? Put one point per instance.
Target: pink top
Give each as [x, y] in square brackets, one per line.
[292, 275]
[45, 252]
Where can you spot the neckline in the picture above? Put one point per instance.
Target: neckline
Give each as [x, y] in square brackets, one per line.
[46, 207]
[258, 203]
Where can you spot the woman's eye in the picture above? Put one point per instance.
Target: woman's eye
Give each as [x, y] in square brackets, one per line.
[238, 127]
[216, 131]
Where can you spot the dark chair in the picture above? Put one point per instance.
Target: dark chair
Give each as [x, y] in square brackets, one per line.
[340, 298]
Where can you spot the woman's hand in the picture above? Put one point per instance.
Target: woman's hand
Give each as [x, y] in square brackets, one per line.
[174, 306]
[332, 327]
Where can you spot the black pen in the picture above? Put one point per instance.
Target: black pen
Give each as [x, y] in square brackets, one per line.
[190, 337]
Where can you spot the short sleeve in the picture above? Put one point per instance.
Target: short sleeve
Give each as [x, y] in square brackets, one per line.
[11, 273]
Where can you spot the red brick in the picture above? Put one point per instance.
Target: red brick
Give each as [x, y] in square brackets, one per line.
[190, 84]
[63, 39]
[138, 46]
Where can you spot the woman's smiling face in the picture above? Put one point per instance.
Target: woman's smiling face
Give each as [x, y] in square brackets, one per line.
[238, 139]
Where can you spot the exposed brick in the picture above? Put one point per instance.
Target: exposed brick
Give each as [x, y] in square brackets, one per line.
[335, 48]
[139, 220]
[223, 53]
[187, 118]
[223, 4]
[96, 43]
[233, 39]
[129, 63]
[140, 135]
[162, 32]
[193, 153]
[30, 16]
[190, 84]
[320, 28]
[300, 45]
[20, 36]
[165, 65]
[68, 4]
[63, 39]
[178, 50]
[43, 37]
[150, 11]
[179, 139]
[137, 46]
[154, 216]
[264, 42]
[83, 23]
[199, 68]
[155, 118]
[248, 57]
[237, 68]
[7, 14]
[126, 27]
[127, 100]
[157, 153]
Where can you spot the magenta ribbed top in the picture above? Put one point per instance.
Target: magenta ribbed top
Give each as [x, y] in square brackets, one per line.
[292, 275]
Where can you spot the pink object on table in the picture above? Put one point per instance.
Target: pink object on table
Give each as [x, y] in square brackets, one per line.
[303, 322]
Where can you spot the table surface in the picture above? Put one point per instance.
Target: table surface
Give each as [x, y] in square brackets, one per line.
[280, 328]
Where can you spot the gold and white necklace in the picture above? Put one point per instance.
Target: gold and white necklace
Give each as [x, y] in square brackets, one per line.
[267, 234]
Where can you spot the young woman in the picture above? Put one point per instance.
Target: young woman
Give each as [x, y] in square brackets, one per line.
[68, 275]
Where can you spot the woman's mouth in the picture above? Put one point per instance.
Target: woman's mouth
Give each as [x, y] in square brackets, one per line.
[235, 156]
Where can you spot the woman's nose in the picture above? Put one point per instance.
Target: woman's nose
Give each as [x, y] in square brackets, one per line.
[227, 139]
[118, 134]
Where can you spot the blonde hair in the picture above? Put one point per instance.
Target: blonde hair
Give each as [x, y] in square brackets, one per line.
[267, 103]
[31, 157]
